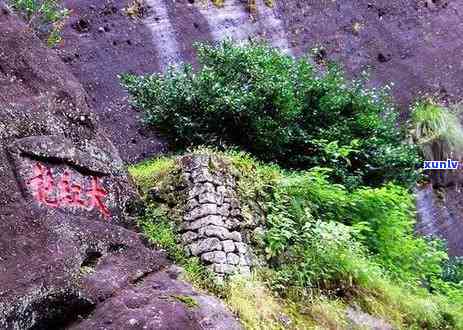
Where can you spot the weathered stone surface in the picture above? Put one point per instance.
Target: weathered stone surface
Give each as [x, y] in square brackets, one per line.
[241, 247]
[208, 197]
[233, 259]
[360, 319]
[228, 246]
[189, 237]
[202, 211]
[244, 260]
[218, 257]
[155, 305]
[215, 231]
[68, 256]
[232, 223]
[214, 220]
[213, 192]
[197, 190]
[192, 204]
[225, 268]
[236, 236]
[224, 210]
[207, 245]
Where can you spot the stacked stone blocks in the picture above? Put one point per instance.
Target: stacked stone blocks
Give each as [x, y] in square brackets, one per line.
[212, 220]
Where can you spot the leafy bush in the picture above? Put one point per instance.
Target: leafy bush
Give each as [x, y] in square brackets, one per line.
[380, 219]
[359, 246]
[279, 109]
[46, 17]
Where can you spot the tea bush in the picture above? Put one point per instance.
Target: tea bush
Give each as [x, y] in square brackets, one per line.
[279, 109]
[380, 219]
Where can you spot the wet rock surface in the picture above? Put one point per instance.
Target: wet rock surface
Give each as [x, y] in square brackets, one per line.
[440, 214]
[159, 304]
[101, 41]
[68, 256]
[359, 319]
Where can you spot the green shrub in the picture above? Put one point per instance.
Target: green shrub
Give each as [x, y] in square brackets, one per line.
[279, 109]
[46, 17]
[381, 219]
[359, 246]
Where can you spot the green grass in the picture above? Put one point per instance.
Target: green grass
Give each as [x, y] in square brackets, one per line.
[437, 130]
[327, 248]
[149, 173]
[187, 300]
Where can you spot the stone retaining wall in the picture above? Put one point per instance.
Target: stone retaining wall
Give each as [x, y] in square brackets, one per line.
[213, 223]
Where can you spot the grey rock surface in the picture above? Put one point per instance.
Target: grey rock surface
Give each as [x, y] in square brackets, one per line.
[211, 228]
[69, 258]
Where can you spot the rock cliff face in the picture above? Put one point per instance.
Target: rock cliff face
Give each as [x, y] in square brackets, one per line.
[440, 213]
[413, 44]
[67, 256]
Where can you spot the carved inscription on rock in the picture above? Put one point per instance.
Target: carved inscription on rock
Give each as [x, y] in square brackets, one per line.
[65, 188]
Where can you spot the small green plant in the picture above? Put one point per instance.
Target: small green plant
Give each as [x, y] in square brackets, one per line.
[136, 9]
[327, 248]
[46, 17]
[187, 300]
[149, 173]
[437, 131]
[269, 3]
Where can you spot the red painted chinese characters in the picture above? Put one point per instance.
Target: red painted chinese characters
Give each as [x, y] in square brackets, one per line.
[66, 192]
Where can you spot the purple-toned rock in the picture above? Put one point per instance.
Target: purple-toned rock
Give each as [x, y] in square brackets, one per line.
[68, 256]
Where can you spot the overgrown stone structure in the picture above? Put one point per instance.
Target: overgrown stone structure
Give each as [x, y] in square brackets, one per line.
[213, 225]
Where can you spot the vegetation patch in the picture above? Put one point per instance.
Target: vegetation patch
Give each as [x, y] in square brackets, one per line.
[46, 17]
[437, 130]
[328, 172]
[328, 248]
[187, 300]
[160, 231]
[279, 109]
